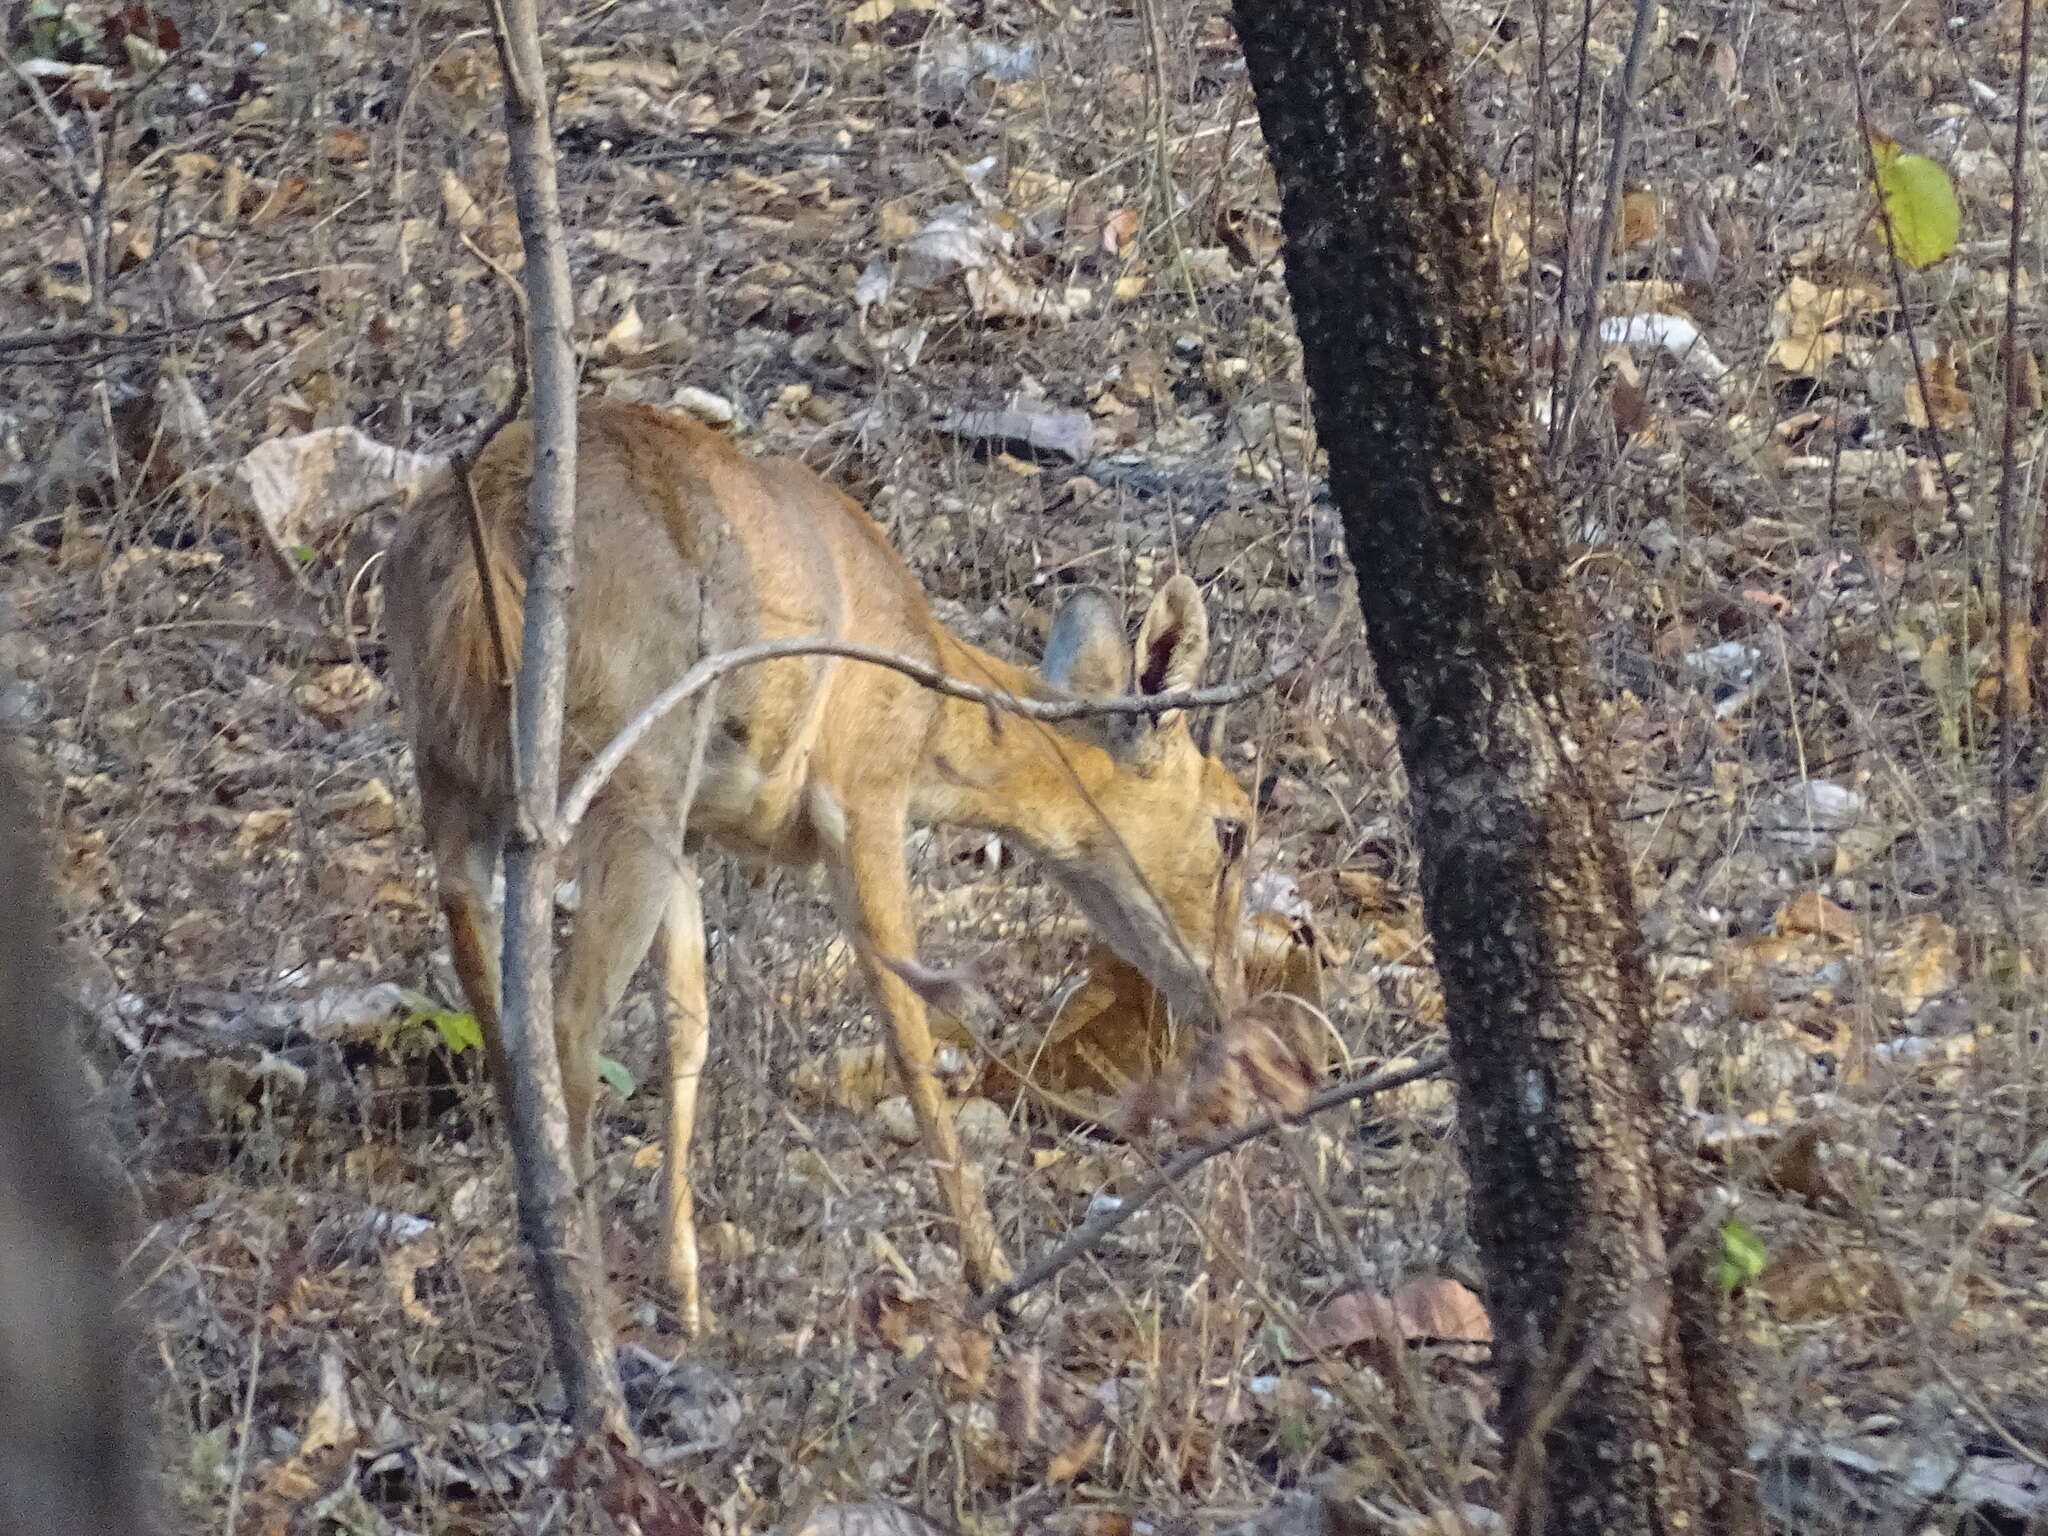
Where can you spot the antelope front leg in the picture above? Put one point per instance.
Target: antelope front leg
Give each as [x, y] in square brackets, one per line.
[686, 1007]
[872, 891]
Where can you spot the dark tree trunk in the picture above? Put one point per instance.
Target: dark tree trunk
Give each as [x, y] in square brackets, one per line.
[1616, 1391]
[67, 1458]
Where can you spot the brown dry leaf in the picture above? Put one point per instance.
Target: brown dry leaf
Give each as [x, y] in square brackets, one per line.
[399, 896]
[1042, 1411]
[872, 13]
[345, 143]
[301, 487]
[1642, 216]
[283, 197]
[1119, 230]
[259, 828]
[624, 337]
[1078, 1173]
[1806, 1280]
[2018, 672]
[1374, 895]
[893, 1317]
[1922, 963]
[965, 1354]
[1509, 220]
[1068, 1462]
[632, 1493]
[1812, 912]
[1439, 1308]
[459, 205]
[853, 1077]
[1798, 1165]
[234, 188]
[1350, 1317]
[1802, 423]
[329, 1437]
[1281, 955]
[192, 167]
[1806, 354]
[337, 694]
[1627, 397]
[1428, 1308]
[1113, 1032]
[1806, 322]
[1946, 404]
[1265, 1060]
[401, 1273]
[467, 72]
[369, 810]
[2030, 382]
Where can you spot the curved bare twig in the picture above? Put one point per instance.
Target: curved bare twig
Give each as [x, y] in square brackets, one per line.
[708, 671]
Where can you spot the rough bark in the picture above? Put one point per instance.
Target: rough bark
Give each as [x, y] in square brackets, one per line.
[1616, 1388]
[557, 1222]
[66, 1452]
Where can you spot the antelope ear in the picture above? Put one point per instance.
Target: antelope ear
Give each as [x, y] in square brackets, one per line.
[1084, 653]
[1173, 642]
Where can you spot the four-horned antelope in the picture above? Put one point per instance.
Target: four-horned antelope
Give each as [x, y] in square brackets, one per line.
[685, 547]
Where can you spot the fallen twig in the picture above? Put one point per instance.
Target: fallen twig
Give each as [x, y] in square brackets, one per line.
[69, 335]
[1086, 1237]
[1091, 1232]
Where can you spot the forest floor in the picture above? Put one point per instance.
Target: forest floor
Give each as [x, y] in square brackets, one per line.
[852, 226]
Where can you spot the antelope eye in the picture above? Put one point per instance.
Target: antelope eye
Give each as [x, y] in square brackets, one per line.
[1230, 837]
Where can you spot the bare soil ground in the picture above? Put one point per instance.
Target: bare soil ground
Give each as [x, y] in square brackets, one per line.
[852, 225]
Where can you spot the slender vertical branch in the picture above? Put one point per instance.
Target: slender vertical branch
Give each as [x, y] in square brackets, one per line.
[2010, 665]
[1865, 130]
[555, 1219]
[1568, 193]
[1603, 236]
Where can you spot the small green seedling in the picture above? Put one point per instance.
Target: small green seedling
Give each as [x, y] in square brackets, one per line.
[1742, 1256]
[458, 1031]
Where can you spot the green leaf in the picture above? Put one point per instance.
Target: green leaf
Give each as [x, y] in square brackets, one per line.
[1742, 1255]
[49, 27]
[1919, 203]
[615, 1073]
[458, 1031]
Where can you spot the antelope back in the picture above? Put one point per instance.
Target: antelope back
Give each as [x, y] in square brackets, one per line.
[684, 547]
